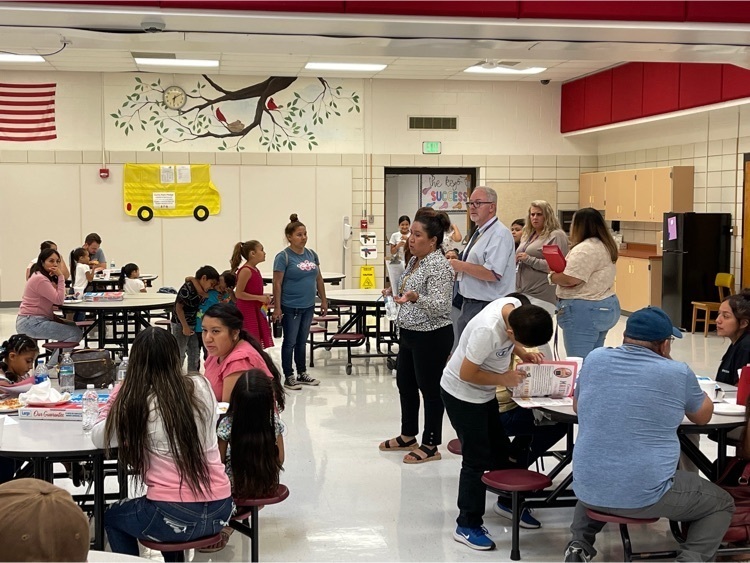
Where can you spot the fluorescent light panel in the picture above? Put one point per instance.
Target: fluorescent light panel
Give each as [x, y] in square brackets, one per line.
[477, 69]
[176, 62]
[8, 58]
[350, 67]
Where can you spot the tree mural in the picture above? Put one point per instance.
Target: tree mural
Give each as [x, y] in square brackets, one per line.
[280, 126]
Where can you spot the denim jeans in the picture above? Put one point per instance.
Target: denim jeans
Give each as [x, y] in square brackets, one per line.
[585, 324]
[129, 520]
[530, 440]
[692, 499]
[190, 344]
[296, 326]
[43, 328]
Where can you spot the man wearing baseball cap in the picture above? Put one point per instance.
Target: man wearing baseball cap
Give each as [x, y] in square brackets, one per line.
[630, 401]
[40, 522]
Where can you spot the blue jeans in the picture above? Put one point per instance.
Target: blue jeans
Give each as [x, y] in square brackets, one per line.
[585, 324]
[530, 440]
[296, 326]
[190, 345]
[129, 520]
[42, 328]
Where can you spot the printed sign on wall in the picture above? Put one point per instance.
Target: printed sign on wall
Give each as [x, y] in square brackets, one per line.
[444, 192]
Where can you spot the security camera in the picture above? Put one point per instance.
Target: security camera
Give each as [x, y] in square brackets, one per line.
[544, 82]
[153, 27]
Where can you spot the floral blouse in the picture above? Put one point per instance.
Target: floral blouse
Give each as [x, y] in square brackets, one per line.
[432, 279]
[224, 432]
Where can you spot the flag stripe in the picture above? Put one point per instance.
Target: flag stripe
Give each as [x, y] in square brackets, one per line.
[28, 86]
[9, 94]
[48, 111]
[25, 103]
[24, 139]
[40, 120]
[27, 112]
[26, 129]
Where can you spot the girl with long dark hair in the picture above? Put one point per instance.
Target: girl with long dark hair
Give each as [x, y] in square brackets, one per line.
[163, 426]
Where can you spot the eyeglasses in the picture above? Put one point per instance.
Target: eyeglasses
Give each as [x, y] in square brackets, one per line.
[479, 203]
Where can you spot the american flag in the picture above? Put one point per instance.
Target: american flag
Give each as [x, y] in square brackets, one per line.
[27, 112]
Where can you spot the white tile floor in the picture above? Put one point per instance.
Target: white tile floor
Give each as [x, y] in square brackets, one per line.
[349, 501]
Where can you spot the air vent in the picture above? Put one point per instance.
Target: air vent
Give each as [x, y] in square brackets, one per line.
[433, 123]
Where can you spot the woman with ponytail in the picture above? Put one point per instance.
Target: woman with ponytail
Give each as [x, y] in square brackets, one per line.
[251, 301]
[232, 351]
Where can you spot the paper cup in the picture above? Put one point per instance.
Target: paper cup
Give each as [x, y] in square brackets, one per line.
[709, 388]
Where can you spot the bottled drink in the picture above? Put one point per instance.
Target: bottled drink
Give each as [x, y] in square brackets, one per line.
[122, 369]
[40, 373]
[67, 374]
[391, 308]
[112, 265]
[90, 407]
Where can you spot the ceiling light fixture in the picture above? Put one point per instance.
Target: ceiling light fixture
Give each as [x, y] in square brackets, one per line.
[10, 58]
[177, 62]
[489, 68]
[348, 67]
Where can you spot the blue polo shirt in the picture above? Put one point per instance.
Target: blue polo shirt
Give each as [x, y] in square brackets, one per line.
[298, 288]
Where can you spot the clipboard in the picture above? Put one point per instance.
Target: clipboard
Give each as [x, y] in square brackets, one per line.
[554, 257]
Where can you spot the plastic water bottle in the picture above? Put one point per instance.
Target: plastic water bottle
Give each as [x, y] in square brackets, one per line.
[122, 369]
[391, 308]
[112, 265]
[90, 407]
[40, 373]
[67, 374]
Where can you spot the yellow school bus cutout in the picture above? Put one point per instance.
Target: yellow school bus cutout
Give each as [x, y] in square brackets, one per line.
[169, 190]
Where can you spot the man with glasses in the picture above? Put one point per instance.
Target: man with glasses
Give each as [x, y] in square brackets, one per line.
[486, 269]
[630, 401]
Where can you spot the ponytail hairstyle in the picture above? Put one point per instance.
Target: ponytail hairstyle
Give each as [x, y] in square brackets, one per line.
[39, 266]
[231, 317]
[255, 455]
[294, 224]
[16, 344]
[74, 257]
[242, 251]
[126, 270]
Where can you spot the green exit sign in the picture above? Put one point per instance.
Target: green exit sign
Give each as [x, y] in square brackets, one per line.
[431, 147]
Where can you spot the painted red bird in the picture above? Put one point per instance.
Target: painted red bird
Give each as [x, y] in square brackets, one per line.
[271, 105]
[220, 117]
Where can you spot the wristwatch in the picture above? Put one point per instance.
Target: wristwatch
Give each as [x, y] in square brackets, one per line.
[549, 278]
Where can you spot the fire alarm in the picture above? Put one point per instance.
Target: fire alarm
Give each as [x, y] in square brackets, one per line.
[104, 173]
[363, 223]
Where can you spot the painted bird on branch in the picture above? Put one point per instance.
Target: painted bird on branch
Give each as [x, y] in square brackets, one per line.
[220, 117]
[271, 105]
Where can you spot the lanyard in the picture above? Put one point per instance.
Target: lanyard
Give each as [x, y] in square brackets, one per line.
[473, 241]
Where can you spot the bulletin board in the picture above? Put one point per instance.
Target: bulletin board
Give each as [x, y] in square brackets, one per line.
[445, 192]
[513, 198]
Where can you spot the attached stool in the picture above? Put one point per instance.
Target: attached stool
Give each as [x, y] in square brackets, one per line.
[348, 340]
[454, 446]
[315, 329]
[516, 482]
[626, 544]
[176, 551]
[164, 323]
[249, 508]
[83, 325]
[52, 347]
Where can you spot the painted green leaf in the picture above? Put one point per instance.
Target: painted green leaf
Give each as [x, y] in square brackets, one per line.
[114, 115]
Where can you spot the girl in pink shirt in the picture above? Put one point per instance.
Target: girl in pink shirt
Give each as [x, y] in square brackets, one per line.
[164, 426]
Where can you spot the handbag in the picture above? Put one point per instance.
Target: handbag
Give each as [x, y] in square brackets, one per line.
[93, 367]
[736, 481]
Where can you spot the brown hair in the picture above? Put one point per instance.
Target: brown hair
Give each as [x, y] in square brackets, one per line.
[435, 223]
[242, 250]
[589, 223]
[740, 305]
[294, 224]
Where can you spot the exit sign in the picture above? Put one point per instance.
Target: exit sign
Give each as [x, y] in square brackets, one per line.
[431, 147]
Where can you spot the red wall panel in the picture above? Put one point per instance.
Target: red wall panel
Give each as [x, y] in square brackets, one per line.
[717, 11]
[598, 106]
[572, 102]
[735, 82]
[604, 10]
[464, 8]
[627, 92]
[700, 84]
[661, 88]
[322, 6]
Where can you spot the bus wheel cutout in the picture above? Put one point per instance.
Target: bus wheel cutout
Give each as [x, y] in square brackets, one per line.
[145, 213]
[201, 213]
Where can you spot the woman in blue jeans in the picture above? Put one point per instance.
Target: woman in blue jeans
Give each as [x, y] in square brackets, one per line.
[296, 280]
[587, 306]
[164, 426]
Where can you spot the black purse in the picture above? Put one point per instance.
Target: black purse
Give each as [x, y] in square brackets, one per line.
[93, 367]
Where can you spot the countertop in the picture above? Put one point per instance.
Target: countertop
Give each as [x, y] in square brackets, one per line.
[643, 251]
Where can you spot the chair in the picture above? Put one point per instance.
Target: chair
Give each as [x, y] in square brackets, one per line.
[626, 544]
[177, 550]
[515, 482]
[248, 508]
[454, 446]
[722, 282]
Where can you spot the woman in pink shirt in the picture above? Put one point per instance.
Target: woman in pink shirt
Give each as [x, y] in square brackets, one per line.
[232, 351]
[44, 290]
[163, 424]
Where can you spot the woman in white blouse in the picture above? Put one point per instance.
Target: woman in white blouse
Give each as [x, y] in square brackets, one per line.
[400, 238]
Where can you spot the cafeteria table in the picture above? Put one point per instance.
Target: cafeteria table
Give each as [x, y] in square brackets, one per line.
[334, 278]
[134, 306]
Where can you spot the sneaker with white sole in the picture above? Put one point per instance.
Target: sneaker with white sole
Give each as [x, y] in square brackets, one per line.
[575, 553]
[304, 379]
[475, 538]
[527, 520]
[291, 383]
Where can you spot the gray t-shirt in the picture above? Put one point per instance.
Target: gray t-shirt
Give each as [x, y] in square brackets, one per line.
[299, 286]
[630, 403]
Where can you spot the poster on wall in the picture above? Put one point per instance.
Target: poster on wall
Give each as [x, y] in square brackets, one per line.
[444, 192]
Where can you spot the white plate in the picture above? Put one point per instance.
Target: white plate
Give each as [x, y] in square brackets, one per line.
[8, 411]
[68, 301]
[729, 409]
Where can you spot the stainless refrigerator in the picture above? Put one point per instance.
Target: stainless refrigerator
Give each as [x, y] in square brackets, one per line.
[696, 248]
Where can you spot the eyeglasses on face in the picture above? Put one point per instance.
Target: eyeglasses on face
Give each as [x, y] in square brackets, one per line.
[478, 203]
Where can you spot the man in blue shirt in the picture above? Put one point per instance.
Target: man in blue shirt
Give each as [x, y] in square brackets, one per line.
[630, 401]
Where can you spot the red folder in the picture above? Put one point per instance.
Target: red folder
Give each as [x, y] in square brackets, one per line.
[554, 257]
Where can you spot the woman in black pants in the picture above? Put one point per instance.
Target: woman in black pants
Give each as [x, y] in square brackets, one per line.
[426, 336]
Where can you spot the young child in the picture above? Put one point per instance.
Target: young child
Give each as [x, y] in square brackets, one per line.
[187, 305]
[82, 273]
[224, 293]
[251, 301]
[129, 279]
[17, 356]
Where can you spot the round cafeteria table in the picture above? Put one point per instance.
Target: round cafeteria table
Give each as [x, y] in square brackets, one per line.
[46, 442]
[334, 278]
[100, 283]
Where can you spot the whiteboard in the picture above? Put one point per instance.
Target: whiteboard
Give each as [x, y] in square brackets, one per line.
[513, 198]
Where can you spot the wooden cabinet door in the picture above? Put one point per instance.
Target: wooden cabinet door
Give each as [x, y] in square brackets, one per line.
[612, 205]
[661, 192]
[598, 190]
[627, 195]
[640, 279]
[623, 283]
[644, 208]
[585, 182]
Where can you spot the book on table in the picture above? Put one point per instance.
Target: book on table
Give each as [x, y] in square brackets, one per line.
[550, 383]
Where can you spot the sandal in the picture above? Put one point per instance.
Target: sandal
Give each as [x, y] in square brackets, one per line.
[431, 454]
[226, 533]
[401, 444]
